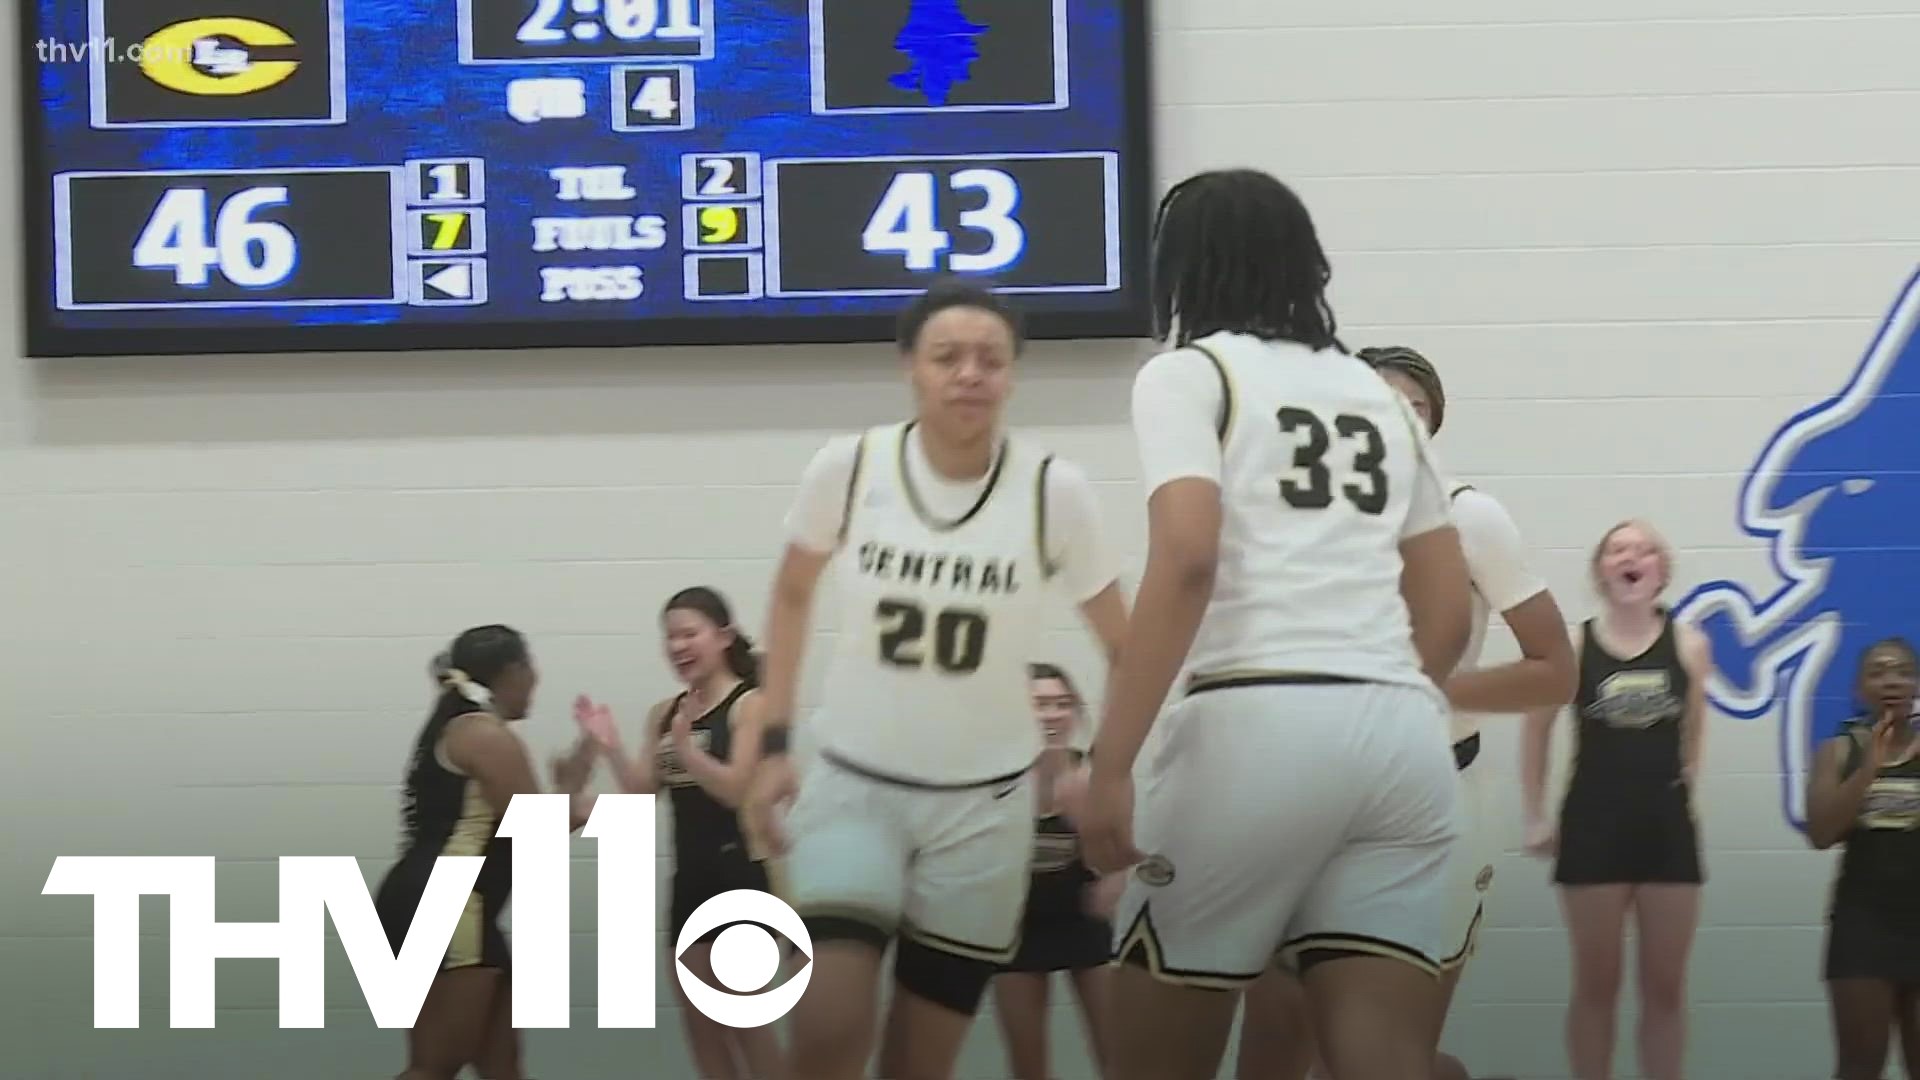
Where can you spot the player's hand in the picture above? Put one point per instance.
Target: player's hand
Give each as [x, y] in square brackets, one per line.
[772, 789]
[1103, 896]
[596, 722]
[1888, 733]
[682, 726]
[1542, 839]
[1106, 824]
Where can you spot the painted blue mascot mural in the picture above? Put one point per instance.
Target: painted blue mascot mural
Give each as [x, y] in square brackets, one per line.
[1836, 494]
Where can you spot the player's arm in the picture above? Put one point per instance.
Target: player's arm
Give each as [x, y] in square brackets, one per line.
[1836, 786]
[1536, 742]
[1177, 400]
[727, 780]
[1084, 565]
[1546, 673]
[1696, 656]
[484, 748]
[1434, 580]
[814, 529]
[639, 774]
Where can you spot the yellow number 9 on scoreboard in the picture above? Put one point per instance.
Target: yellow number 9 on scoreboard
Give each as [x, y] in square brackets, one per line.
[723, 226]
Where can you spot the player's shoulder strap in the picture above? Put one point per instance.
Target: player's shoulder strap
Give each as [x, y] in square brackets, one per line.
[1047, 566]
[853, 484]
[1223, 422]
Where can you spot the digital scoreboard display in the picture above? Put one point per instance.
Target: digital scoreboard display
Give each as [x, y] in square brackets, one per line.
[293, 175]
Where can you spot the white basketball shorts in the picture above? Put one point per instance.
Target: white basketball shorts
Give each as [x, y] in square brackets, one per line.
[1470, 870]
[1282, 818]
[946, 867]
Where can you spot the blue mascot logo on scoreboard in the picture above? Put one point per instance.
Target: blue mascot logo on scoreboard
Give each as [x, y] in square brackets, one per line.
[1836, 493]
[940, 42]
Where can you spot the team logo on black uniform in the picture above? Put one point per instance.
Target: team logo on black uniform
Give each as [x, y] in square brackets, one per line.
[249, 62]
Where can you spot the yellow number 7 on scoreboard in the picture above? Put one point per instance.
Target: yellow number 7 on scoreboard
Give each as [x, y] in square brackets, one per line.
[450, 232]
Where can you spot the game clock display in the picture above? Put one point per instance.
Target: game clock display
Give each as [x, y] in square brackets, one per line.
[304, 175]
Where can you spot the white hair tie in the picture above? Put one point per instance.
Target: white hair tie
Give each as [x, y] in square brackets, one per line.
[469, 689]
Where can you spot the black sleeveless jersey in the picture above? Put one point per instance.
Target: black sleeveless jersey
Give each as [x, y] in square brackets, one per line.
[1880, 869]
[446, 813]
[704, 829]
[1630, 712]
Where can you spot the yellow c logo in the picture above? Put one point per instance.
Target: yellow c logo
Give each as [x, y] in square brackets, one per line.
[173, 58]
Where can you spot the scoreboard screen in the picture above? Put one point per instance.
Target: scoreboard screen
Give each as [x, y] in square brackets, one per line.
[298, 175]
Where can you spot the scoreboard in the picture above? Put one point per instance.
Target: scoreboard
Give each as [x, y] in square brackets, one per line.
[298, 175]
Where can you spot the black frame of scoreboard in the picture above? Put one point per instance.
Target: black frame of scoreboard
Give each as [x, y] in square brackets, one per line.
[46, 339]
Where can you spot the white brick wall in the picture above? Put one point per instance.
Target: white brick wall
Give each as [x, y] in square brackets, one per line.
[1637, 236]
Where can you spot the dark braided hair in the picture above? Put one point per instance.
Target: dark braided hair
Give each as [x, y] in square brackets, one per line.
[1236, 250]
[1409, 362]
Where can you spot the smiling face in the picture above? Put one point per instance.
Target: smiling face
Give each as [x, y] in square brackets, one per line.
[1056, 707]
[696, 648]
[1631, 565]
[961, 367]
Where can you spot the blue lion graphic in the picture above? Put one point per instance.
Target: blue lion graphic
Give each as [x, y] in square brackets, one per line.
[1837, 493]
[939, 42]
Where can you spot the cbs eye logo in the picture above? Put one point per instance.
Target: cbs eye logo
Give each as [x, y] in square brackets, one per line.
[745, 958]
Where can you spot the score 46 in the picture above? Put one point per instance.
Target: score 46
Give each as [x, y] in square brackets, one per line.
[252, 254]
[906, 221]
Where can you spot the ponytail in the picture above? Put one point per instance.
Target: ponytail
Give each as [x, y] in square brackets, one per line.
[742, 660]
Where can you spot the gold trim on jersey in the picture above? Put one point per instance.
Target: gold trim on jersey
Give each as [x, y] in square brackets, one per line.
[966, 950]
[1355, 943]
[1141, 936]
[1047, 568]
[1224, 423]
[467, 947]
[470, 837]
[913, 494]
[853, 486]
[1472, 945]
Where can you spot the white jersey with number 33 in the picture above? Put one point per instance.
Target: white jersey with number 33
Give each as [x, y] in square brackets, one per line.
[1323, 470]
[939, 618]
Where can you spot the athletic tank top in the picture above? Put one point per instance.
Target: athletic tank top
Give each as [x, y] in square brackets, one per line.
[704, 828]
[445, 812]
[938, 621]
[1319, 457]
[1630, 711]
[1880, 868]
[1060, 876]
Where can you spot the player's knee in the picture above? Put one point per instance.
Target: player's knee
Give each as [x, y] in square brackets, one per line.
[943, 978]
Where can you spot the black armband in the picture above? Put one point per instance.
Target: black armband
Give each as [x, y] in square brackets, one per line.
[773, 740]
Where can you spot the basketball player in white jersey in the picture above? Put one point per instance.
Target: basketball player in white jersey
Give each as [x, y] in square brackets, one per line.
[1301, 563]
[1546, 674]
[914, 826]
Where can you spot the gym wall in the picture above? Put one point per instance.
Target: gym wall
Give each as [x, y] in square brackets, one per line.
[1638, 238]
